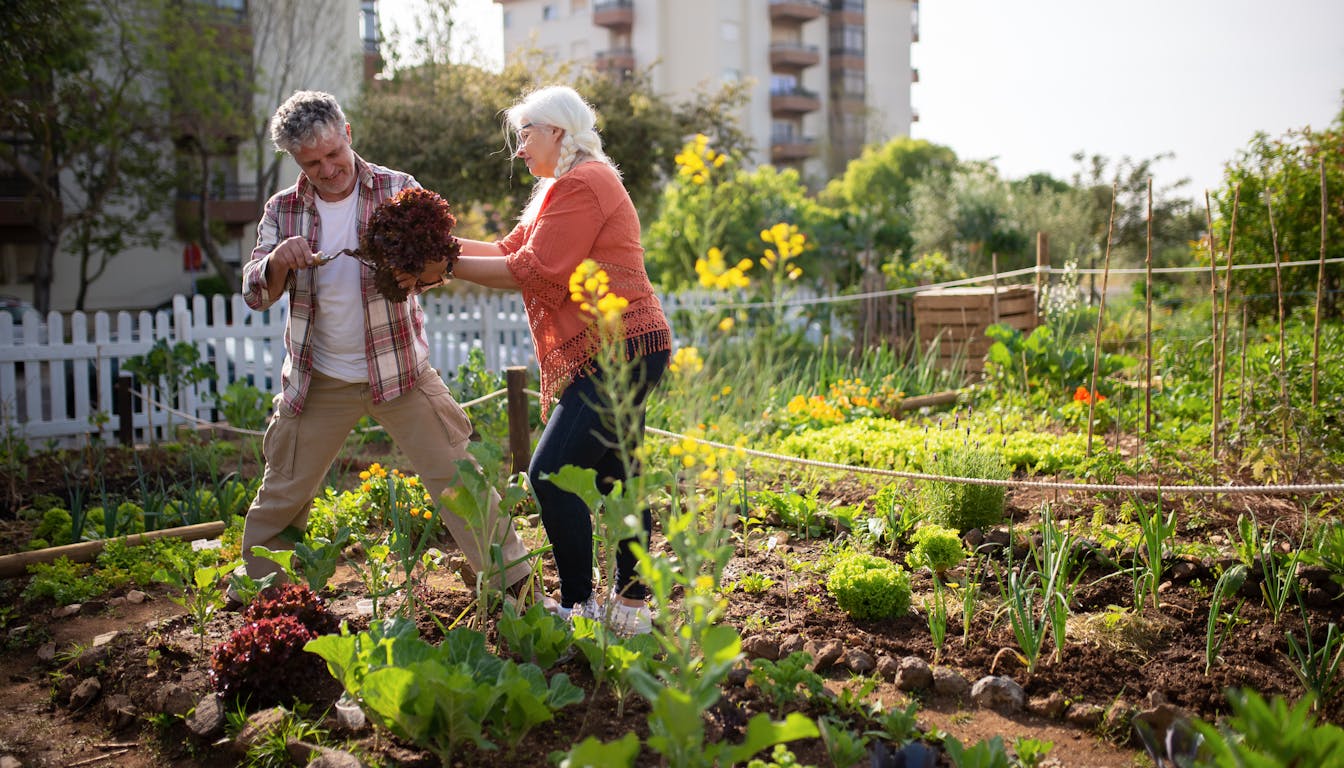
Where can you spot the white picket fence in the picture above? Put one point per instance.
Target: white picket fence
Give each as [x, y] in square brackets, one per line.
[57, 382]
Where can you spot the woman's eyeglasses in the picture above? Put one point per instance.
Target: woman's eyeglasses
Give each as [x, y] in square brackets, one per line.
[523, 134]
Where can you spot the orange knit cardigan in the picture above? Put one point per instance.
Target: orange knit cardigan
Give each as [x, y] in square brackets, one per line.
[587, 214]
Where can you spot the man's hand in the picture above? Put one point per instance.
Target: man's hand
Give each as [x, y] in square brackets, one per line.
[288, 256]
[433, 275]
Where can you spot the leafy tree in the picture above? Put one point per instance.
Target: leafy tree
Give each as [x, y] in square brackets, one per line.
[54, 109]
[1288, 169]
[1176, 220]
[875, 191]
[442, 122]
[206, 60]
[713, 203]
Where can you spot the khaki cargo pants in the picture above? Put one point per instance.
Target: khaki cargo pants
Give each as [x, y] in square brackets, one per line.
[426, 423]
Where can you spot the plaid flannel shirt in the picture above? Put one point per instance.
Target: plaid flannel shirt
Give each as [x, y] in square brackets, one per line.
[391, 329]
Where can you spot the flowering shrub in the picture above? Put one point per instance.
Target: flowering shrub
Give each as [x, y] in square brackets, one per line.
[406, 232]
[706, 461]
[590, 288]
[869, 587]
[846, 400]
[262, 660]
[713, 271]
[295, 600]
[388, 492]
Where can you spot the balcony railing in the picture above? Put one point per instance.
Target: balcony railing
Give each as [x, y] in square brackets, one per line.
[794, 55]
[795, 10]
[786, 148]
[793, 100]
[615, 60]
[229, 204]
[614, 14]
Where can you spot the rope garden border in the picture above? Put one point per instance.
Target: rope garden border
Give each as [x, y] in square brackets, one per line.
[1184, 490]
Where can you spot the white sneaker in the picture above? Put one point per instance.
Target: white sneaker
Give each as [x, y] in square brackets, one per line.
[629, 620]
[589, 609]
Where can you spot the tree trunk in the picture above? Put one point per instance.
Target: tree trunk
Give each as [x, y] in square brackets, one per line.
[208, 244]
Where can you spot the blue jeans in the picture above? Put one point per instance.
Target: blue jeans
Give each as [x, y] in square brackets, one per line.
[576, 434]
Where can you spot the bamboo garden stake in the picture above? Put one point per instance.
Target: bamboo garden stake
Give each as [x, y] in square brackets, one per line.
[1283, 344]
[1101, 317]
[1213, 341]
[1148, 324]
[1320, 289]
[1221, 375]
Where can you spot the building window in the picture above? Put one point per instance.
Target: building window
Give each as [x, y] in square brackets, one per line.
[783, 83]
[368, 25]
[847, 39]
[852, 83]
[508, 19]
[549, 12]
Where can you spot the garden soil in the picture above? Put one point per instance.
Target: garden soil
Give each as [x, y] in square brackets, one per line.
[1117, 661]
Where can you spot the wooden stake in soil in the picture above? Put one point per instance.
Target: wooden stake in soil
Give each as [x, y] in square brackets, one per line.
[520, 431]
[1221, 374]
[1148, 323]
[1320, 290]
[1283, 344]
[1101, 318]
[1042, 264]
[1213, 314]
[1241, 401]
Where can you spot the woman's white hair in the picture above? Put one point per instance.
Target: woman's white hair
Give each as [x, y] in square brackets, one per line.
[561, 107]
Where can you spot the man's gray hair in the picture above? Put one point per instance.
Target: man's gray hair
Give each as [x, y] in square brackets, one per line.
[304, 119]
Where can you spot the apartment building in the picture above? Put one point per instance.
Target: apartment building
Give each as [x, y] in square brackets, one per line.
[286, 45]
[827, 76]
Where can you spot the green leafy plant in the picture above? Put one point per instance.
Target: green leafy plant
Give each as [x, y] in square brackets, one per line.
[936, 612]
[1318, 666]
[755, 583]
[780, 757]
[538, 636]
[63, 581]
[244, 406]
[1030, 752]
[170, 368]
[895, 515]
[1261, 732]
[936, 548]
[963, 506]
[869, 587]
[1222, 622]
[1056, 563]
[781, 681]
[843, 746]
[200, 593]
[1021, 592]
[442, 697]
[318, 557]
[990, 753]
[800, 513]
[1157, 533]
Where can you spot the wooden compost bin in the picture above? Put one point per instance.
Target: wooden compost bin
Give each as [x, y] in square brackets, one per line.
[956, 319]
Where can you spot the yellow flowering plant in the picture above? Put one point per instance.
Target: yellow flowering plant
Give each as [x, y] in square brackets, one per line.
[400, 503]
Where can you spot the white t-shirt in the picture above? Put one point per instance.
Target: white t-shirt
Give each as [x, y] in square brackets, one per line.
[338, 330]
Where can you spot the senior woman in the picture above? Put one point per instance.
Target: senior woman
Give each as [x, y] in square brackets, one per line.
[579, 210]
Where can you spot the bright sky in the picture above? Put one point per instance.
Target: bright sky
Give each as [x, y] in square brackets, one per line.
[1030, 83]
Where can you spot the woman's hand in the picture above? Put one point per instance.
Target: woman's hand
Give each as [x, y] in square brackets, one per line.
[433, 275]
